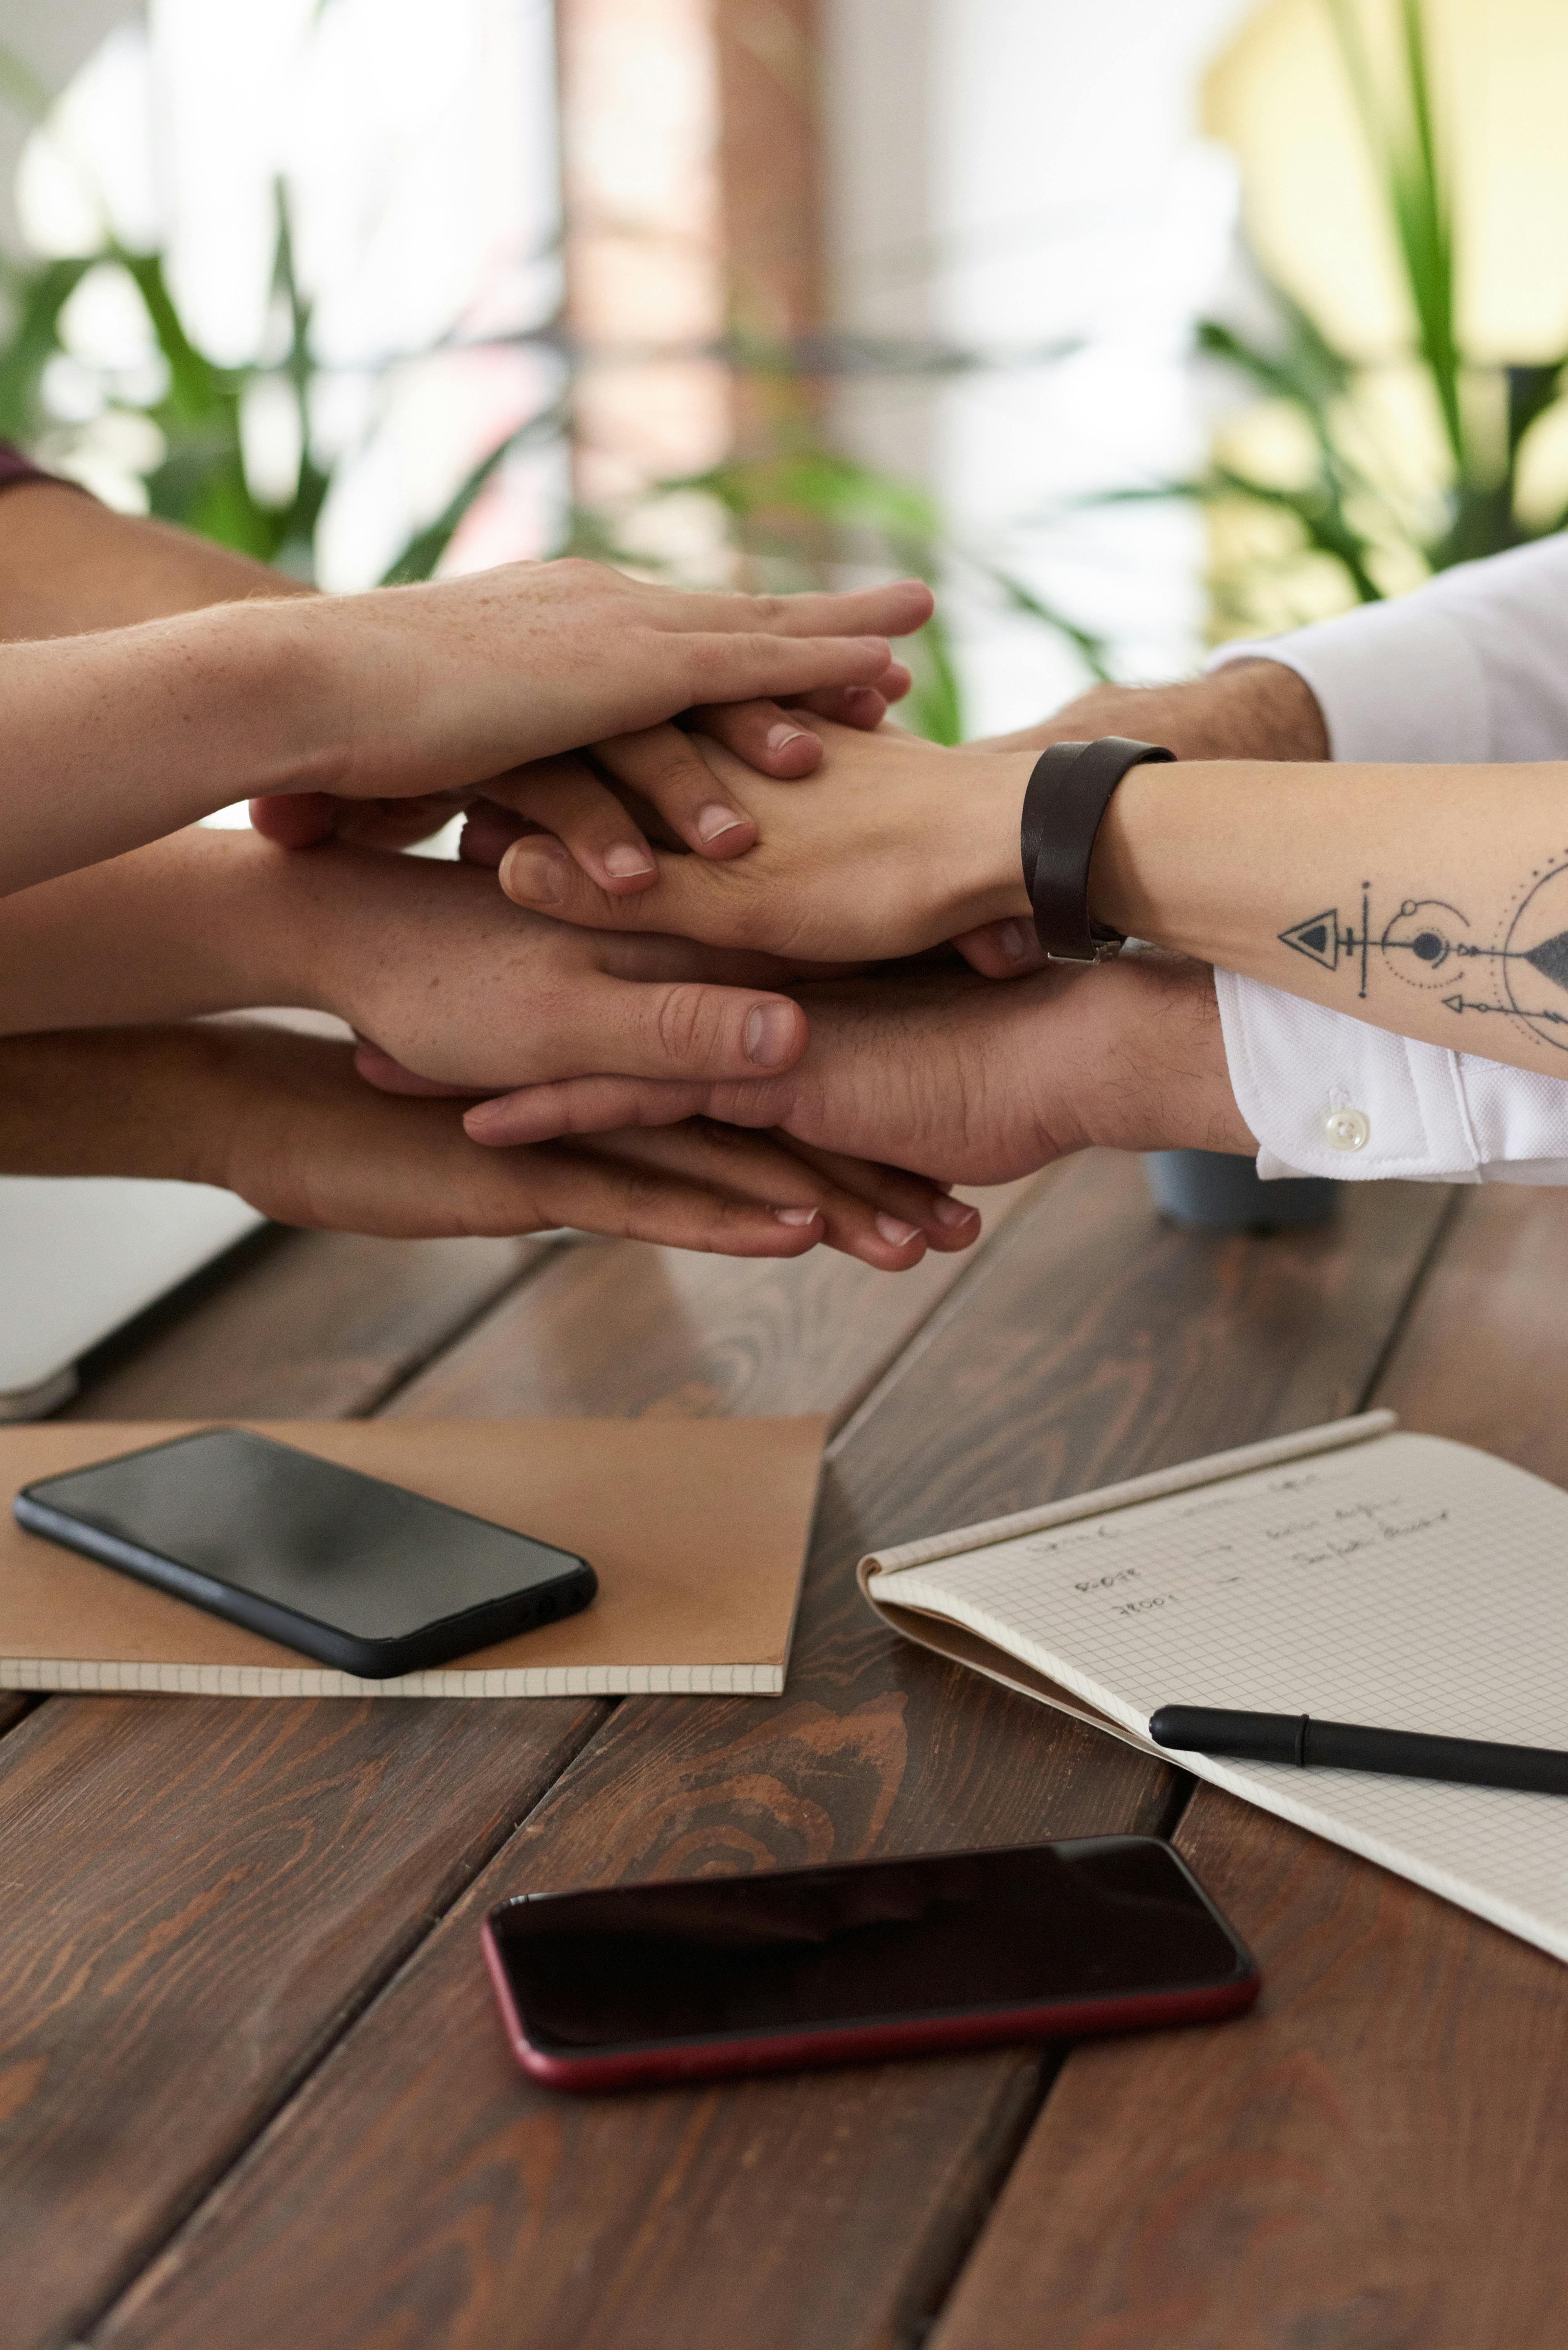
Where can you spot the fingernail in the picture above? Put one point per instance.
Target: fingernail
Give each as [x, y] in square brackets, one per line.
[624, 860]
[892, 1230]
[952, 1212]
[876, 645]
[781, 737]
[795, 1216]
[770, 1035]
[713, 821]
[533, 871]
[1014, 941]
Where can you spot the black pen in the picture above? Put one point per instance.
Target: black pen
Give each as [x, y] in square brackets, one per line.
[1348, 1746]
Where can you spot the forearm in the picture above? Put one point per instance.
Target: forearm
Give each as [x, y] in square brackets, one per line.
[70, 566]
[159, 1103]
[204, 921]
[1249, 709]
[425, 954]
[123, 737]
[1432, 901]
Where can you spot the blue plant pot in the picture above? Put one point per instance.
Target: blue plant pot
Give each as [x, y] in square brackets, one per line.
[1212, 1191]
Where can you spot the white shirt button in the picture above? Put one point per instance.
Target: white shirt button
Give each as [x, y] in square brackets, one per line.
[1347, 1129]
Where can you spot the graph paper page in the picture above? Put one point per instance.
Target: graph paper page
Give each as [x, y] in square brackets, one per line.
[1407, 1582]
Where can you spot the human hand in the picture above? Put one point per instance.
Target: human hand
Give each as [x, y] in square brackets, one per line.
[959, 1080]
[427, 961]
[283, 1121]
[595, 825]
[128, 734]
[449, 988]
[891, 846]
[476, 676]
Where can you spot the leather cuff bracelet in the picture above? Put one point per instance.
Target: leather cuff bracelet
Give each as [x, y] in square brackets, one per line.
[1068, 794]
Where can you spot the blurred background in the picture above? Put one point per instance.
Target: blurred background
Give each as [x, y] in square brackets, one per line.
[1133, 326]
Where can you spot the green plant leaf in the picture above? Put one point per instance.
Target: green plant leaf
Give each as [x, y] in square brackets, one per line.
[424, 550]
[37, 298]
[1402, 136]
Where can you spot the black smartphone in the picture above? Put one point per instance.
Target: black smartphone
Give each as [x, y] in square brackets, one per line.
[811, 1966]
[347, 1569]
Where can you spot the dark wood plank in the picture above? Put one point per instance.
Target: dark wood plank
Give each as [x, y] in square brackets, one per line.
[354, 1315]
[144, 1837]
[1481, 1358]
[198, 1892]
[419, 2190]
[616, 1330]
[1376, 2159]
[309, 1326]
[1379, 2155]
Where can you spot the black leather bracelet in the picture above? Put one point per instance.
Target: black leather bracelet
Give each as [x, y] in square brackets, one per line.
[1068, 794]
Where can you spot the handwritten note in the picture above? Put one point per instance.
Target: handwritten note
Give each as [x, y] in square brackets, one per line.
[1406, 1582]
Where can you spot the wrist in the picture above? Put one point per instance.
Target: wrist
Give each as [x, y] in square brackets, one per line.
[1254, 708]
[287, 699]
[975, 856]
[319, 920]
[260, 926]
[1157, 1073]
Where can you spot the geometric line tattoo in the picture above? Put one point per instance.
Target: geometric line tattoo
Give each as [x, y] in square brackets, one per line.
[1425, 943]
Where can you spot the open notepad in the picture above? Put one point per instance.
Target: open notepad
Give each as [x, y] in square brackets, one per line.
[1352, 1572]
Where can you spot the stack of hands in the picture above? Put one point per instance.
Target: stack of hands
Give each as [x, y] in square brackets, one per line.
[729, 961]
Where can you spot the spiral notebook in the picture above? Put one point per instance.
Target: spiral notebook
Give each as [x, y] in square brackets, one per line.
[1355, 1572]
[697, 1528]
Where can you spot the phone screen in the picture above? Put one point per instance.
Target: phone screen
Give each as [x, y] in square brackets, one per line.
[805, 1950]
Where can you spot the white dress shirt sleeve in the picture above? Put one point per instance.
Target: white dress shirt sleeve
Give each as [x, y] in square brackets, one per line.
[1473, 667]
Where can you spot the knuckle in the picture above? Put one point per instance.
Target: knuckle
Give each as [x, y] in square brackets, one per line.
[708, 661]
[643, 1192]
[686, 1022]
[671, 768]
[755, 1103]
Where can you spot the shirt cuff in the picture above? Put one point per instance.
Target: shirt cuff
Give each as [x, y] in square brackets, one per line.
[1327, 1095]
[1395, 682]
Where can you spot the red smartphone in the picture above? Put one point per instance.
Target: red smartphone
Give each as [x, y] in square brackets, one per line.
[635, 1983]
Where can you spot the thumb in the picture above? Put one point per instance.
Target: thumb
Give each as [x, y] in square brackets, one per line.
[1002, 949]
[681, 1030]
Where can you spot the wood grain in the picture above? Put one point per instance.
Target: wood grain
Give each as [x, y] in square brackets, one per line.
[1378, 2157]
[831, 2209]
[144, 1837]
[197, 1893]
[1480, 1357]
[616, 1330]
[308, 1324]
[159, 1792]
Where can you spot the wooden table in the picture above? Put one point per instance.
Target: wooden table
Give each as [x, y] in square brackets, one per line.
[253, 2090]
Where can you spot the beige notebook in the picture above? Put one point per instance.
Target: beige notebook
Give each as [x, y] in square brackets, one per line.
[1352, 1572]
[698, 1529]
